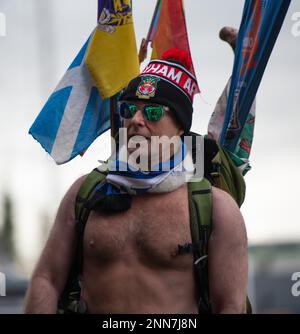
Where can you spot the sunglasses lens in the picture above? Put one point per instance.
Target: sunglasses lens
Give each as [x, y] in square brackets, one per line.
[153, 113]
[127, 110]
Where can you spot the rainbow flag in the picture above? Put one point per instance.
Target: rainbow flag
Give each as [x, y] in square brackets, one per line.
[113, 68]
[154, 22]
[168, 29]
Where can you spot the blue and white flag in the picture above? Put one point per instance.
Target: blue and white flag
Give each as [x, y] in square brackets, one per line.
[74, 115]
[260, 26]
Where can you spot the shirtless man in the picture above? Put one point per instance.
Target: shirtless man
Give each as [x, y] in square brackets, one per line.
[130, 259]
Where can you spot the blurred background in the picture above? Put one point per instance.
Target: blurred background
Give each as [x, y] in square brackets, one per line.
[41, 39]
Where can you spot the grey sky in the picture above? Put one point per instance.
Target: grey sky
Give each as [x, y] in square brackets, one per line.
[42, 39]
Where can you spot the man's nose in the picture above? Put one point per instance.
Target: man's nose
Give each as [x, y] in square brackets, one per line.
[138, 118]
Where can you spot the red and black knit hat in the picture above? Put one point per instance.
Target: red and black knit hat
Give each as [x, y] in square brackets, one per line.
[167, 81]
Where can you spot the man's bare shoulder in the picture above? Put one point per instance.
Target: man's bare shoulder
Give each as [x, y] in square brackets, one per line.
[222, 199]
[226, 213]
[66, 211]
[73, 190]
[70, 195]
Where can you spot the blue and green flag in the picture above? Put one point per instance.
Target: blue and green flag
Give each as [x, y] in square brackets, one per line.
[260, 26]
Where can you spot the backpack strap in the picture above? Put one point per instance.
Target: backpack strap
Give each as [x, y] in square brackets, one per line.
[70, 298]
[200, 205]
[82, 208]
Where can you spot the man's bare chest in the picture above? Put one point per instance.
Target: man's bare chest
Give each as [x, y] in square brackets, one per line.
[149, 232]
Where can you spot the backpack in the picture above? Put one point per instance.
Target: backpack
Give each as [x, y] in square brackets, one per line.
[220, 171]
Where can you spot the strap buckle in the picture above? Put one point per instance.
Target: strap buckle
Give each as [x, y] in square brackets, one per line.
[201, 259]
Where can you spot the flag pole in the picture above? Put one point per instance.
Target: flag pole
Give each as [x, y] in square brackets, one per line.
[113, 121]
[112, 103]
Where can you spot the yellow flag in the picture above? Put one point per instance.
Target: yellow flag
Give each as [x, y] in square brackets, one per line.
[112, 56]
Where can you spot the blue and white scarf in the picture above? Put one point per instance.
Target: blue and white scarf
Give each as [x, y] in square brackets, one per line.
[123, 178]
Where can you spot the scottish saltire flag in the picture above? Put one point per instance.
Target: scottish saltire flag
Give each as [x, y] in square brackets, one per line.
[168, 29]
[260, 26]
[112, 56]
[74, 115]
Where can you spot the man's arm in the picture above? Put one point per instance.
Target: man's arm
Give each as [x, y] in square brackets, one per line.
[51, 272]
[228, 256]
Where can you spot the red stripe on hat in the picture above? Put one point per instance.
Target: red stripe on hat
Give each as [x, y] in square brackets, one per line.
[175, 74]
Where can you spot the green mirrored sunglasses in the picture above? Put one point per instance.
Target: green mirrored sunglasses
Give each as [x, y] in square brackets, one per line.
[151, 112]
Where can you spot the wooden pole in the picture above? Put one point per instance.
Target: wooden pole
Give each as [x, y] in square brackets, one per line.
[113, 120]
